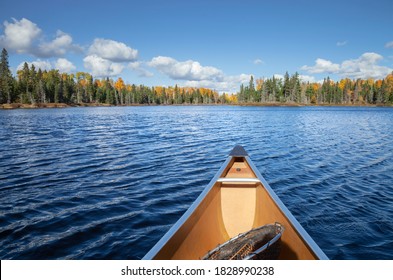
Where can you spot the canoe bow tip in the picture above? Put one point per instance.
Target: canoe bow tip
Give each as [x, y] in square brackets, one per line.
[238, 151]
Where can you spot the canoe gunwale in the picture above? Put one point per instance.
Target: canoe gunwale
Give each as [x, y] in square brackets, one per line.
[296, 225]
[172, 231]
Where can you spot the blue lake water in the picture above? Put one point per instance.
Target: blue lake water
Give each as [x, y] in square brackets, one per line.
[107, 183]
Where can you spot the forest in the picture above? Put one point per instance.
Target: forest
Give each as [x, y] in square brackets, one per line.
[34, 86]
[291, 90]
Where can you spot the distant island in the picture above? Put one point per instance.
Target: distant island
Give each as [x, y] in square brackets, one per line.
[32, 88]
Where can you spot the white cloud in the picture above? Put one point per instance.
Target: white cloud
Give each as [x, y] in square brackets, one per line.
[19, 36]
[137, 67]
[242, 78]
[195, 75]
[341, 43]
[232, 83]
[24, 36]
[185, 70]
[258, 61]
[112, 50]
[64, 65]
[279, 76]
[303, 78]
[58, 47]
[107, 58]
[366, 66]
[38, 64]
[307, 78]
[101, 67]
[228, 83]
[389, 45]
[321, 66]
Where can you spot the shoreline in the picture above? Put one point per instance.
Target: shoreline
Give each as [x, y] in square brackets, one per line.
[271, 104]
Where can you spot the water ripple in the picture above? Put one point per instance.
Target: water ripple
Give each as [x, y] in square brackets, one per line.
[107, 183]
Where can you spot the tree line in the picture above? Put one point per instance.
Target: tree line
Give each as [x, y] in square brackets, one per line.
[35, 86]
[32, 86]
[291, 89]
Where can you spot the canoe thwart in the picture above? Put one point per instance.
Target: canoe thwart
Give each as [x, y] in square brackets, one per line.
[262, 243]
[239, 180]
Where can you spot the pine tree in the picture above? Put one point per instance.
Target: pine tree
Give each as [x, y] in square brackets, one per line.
[25, 82]
[5, 78]
[286, 91]
[31, 83]
[251, 90]
[295, 88]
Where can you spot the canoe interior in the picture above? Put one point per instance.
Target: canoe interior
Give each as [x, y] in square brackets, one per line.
[228, 209]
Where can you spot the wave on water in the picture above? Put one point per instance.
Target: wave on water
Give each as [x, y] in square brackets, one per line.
[107, 183]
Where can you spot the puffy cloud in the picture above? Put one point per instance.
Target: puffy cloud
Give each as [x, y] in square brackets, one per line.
[107, 58]
[101, 67]
[239, 79]
[58, 47]
[24, 36]
[389, 45]
[366, 66]
[185, 70]
[19, 36]
[307, 78]
[38, 64]
[137, 67]
[195, 75]
[227, 84]
[64, 65]
[112, 50]
[322, 66]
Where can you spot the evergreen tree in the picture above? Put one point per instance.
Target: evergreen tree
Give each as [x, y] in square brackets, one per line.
[286, 91]
[251, 91]
[25, 82]
[31, 83]
[295, 88]
[39, 88]
[6, 79]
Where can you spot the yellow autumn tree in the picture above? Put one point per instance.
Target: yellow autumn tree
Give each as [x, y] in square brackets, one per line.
[120, 86]
[259, 83]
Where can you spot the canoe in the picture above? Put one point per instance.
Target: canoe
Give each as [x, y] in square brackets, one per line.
[237, 200]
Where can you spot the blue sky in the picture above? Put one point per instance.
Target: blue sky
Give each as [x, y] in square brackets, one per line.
[215, 44]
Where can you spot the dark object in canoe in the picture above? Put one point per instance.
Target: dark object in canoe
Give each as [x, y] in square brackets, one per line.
[263, 243]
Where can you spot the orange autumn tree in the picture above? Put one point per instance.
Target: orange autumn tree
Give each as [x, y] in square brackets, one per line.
[120, 86]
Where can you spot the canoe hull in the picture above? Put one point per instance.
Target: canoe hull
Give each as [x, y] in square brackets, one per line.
[236, 200]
